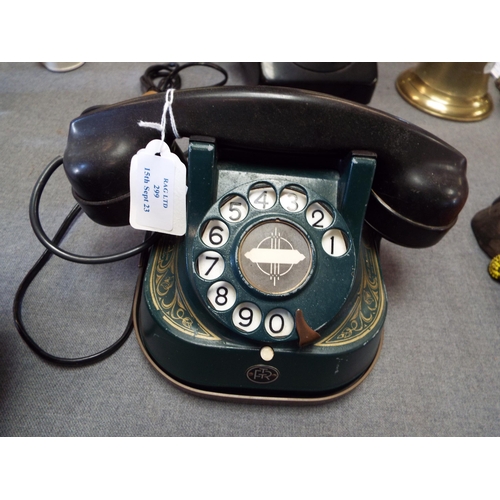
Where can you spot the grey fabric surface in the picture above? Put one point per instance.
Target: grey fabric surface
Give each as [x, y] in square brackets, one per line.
[438, 373]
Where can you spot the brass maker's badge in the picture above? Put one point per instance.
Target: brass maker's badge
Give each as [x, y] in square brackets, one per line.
[275, 257]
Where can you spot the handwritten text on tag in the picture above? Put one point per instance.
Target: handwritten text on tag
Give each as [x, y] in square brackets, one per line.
[158, 190]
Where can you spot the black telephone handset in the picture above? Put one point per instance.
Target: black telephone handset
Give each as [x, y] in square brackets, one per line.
[275, 292]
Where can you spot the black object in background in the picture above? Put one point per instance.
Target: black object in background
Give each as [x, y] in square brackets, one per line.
[348, 80]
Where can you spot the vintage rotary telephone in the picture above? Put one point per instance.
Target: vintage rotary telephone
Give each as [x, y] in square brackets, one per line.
[275, 292]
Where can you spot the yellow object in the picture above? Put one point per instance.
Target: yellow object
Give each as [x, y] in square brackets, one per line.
[494, 267]
[455, 91]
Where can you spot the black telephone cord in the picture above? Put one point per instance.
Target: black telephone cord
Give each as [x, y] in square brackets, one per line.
[170, 78]
[23, 287]
[52, 248]
[34, 211]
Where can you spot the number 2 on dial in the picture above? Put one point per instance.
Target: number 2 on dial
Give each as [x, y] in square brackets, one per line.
[318, 216]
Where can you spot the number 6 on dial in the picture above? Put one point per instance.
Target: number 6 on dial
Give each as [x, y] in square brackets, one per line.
[215, 234]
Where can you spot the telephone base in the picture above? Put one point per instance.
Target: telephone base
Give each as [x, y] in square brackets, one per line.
[208, 361]
[260, 399]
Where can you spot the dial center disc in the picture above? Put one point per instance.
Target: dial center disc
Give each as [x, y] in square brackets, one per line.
[275, 257]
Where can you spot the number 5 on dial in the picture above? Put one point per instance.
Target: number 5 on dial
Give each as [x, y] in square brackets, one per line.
[234, 209]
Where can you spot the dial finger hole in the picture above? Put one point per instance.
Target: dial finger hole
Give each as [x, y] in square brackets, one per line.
[319, 216]
[262, 196]
[210, 265]
[215, 233]
[247, 316]
[221, 296]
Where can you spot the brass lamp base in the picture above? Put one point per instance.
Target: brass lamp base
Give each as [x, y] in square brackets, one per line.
[455, 91]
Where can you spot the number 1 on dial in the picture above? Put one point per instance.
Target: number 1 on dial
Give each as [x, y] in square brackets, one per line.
[293, 200]
[334, 243]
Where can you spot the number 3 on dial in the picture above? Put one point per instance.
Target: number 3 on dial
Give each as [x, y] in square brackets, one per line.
[318, 216]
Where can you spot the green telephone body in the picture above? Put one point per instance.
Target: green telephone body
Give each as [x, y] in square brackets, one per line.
[218, 319]
[275, 292]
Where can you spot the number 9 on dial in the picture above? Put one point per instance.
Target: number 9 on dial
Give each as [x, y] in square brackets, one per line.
[247, 317]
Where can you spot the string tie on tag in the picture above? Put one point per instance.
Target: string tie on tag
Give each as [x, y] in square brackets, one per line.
[167, 110]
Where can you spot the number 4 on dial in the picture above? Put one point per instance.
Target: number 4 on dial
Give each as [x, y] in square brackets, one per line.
[262, 197]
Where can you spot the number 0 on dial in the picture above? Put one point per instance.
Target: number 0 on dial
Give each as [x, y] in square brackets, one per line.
[334, 243]
[279, 323]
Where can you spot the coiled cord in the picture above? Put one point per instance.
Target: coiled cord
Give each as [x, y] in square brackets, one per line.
[169, 76]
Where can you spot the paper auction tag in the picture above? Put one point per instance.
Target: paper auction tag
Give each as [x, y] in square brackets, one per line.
[158, 190]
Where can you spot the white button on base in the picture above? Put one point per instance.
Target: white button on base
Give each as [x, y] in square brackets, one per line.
[267, 353]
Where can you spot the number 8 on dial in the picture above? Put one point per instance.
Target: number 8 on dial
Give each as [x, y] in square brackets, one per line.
[221, 295]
